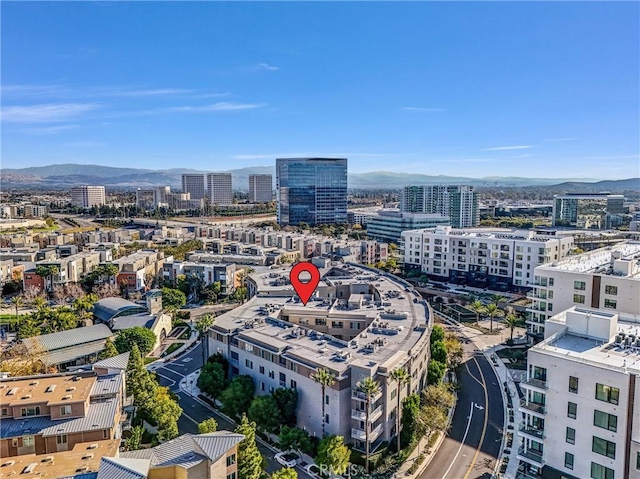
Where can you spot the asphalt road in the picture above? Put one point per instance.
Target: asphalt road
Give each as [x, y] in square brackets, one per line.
[472, 445]
[194, 411]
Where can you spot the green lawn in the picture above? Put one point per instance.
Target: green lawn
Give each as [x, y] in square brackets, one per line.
[172, 348]
[11, 318]
[149, 360]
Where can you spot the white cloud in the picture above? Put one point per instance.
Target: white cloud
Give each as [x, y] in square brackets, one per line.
[419, 108]
[154, 92]
[220, 106]
[45, 113]
[504, 148]
[49, 130]
[267, 67]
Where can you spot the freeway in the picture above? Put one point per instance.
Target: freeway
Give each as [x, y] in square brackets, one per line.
[472, 446]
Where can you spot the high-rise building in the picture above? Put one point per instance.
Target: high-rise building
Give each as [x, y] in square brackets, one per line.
[389, 224]
[219, 188]
[260, 188]
[311, 190]
[88, 196]
[597, 211]
[458, 202]
[194, 185]
[152, 198]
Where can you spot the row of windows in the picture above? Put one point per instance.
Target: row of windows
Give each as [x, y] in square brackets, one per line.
[603, 392]
[608, 289]
[35, 411]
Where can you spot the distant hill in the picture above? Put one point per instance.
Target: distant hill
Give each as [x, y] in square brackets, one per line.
[65, 175]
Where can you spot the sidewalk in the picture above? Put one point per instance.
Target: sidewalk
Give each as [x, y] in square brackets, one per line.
[193, 339]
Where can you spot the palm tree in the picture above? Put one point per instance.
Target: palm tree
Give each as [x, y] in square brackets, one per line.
[512, 322]
[492, 311]
[369, 387]
[400, 376]
[478, 308]
[202, 326]
[39, 303]
[17, 301]
[324, 378]
[47, 272]
[497, 299]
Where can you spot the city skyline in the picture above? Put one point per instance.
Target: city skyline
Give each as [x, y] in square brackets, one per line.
[488, 89]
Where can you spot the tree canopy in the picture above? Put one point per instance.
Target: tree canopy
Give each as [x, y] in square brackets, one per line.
[207, 426]
[144, 338]
[250, 460]
[173, 298]
[236, 399]
[333, 454]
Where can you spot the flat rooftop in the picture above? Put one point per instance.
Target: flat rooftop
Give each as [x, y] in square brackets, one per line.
[602, 260]
[49, 390]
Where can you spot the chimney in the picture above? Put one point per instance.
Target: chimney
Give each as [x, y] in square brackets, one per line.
[154, 301]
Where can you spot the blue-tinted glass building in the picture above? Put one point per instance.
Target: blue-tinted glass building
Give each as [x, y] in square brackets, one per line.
[311, 190]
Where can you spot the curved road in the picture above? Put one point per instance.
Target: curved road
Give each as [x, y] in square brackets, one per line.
[472, 446]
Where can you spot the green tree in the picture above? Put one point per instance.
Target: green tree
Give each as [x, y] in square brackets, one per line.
[134, 441]
[497, 299]
[84, 304]
[401, 377]
[39, 302]
[493, 311]
[287, 401]
[47, 272]
[478, 308]
[265, 413]
[439, 352]
[431, 419]
[285, 473]
[435, 372]
[512, 322]
[454, 350]
[17, 302]
[410, 413]
[144, 338]
[165, 411]
[109, 350]
[207, 426]
[28, 329]
[325, 379]
[202, 326]
[236, 399]
[173, 299]
[437, 334]
[212, 379]
[250, 460]
[293, 438]
[140, 383]
[438, 395]
[369, 388]
[333, 454]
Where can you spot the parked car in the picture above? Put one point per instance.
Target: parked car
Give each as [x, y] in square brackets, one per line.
[287, 459]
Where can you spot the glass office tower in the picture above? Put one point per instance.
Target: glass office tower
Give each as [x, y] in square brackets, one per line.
[311, 190]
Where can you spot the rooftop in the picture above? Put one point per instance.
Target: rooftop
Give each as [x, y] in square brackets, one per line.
[123, 468]
[116, 362]
[68, 338]
[623, 259]
[46, 389]
[108, 308]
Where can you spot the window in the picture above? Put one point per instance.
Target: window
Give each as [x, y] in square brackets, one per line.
[28, 441]
[604, 447]
[62, 439]
[5, 411]
[355, 325]
[607, 393]
[578, 298]
[231, 460]
[610, 303]
[234, 355]
[326, 418]
[283, 377]
[294, 384]
[573, 385]
[248, 363]
[271, 375]
[231, 476]
[638, 460]
[261, 369]
[326, 399]
[572, 410]
[394, 393]
[550, 281]
[30, 411]
[613, 290]
[550, 307]
[550, 294]
[320, 322]
[579, 285]
[605, 420]
[105, 434]
[65, 411]
[568, 460]
[337, 324]
[601, 472]
[571, 435]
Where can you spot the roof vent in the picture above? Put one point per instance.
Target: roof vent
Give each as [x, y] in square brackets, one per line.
[48, 459]
[8, 463]
[12, 391]
[34, 383]
[26, 396]
[50, 389]
[87, 457]
[92, 446]
[68, 396]
[72, 388]
[82, 469]
[29, 469]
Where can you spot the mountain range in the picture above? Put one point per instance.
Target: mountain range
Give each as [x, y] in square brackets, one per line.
[63, 176]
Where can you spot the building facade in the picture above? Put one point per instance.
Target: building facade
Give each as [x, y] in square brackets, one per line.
[598, 211]
[260, 188]
[458, 202]
[311, 190]
[389, 224]
[88, 196]
[219, 189]
[194, 185]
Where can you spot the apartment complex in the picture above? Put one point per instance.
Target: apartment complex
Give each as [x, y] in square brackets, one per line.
[606, 278]
[71, 268]
[389, 224]
[219, 188]
[22, 211]
[499, 260]
[260, 188]
[205, 269]
[360, 323]
[581, 408]
[137, 268]
[53, 413]
[194, 185]
[598, 211]
[311, 190]
[458, 202]
[88, 196]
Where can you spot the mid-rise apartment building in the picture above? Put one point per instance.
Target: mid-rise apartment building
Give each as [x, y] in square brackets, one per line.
[458, 202]
[598, 211]
[88, 196]
[606, 278]
[136, 268]
[194, 185]
[581, 407]
[219, 189]
[499, 260]
[207, 272]
[359, 324]
[389, 224]
[260, 188]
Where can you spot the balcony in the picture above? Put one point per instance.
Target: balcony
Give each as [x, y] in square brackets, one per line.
[358, 415]
[361, 435]
[360, 396]
[531, 431]
[534, 383]
[362, 415]
[530, 456]
[532, 406]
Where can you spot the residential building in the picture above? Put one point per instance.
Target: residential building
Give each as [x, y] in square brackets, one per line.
[53, 413]
[88, 196]
[219, 188]
[139, 270]
[194, 185]
[71, 269]
[500, 260]
[260, 188]
[183, 202]
[606, 278]
[205, 270]
[360, 216]
[358, 324]
[458, 202]
[389, 224]
[311, 190]
[598, 211]
[581, 414]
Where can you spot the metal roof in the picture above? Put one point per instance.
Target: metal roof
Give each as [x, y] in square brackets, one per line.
[116, 362]
[126, 322]
[72, 353]
[123, 468]
[179, 452]
[107, 385]
[100, 415]
[216, 444]
[105, 309]
[68, 338]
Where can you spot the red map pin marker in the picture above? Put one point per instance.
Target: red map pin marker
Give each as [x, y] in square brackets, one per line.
[304, 289]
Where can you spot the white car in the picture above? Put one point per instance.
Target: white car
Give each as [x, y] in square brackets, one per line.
[287, 459]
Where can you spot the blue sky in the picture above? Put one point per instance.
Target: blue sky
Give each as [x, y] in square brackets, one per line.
[539, 89]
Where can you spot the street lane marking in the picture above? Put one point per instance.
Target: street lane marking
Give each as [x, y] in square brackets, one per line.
[486, 419]
[462, 444]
